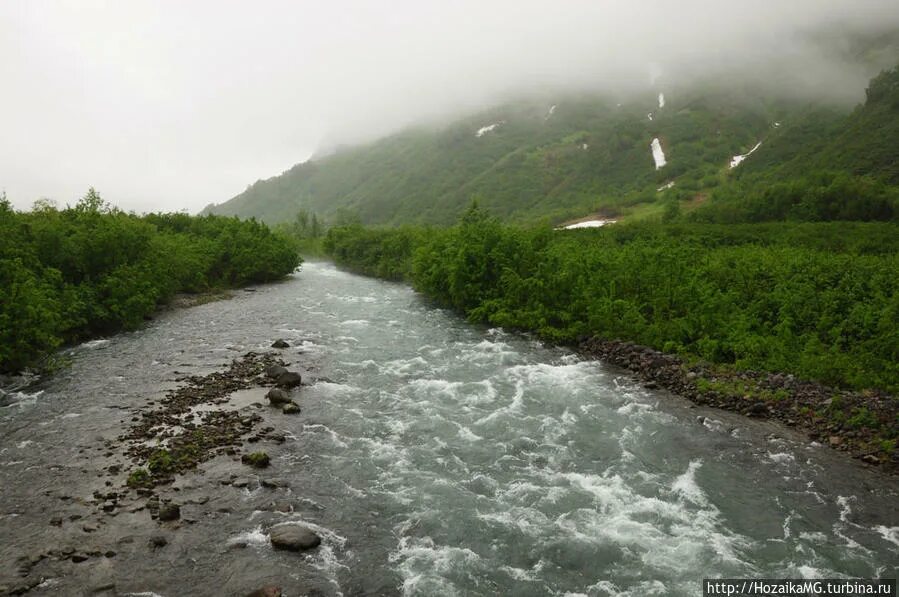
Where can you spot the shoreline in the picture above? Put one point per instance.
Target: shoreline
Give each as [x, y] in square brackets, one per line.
[849, 421]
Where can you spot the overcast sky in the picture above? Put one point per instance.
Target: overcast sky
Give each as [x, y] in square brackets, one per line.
[172, 104]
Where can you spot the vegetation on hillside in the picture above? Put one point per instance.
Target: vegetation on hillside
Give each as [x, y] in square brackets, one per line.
[88, 270]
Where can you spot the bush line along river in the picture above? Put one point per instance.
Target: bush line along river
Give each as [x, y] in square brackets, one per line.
[433, 457]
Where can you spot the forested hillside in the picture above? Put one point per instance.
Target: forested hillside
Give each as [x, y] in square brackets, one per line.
[88, 270]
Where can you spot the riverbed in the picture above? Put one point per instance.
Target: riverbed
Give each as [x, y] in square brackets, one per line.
[432, 456]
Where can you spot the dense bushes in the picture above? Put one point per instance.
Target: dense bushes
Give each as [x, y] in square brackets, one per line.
[69, 274]
[823, 197]
[816, 300]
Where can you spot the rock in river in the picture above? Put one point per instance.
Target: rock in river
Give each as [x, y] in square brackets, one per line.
[293, 537]
[291, 408]
[275, 371]
[169, 512]
[279, 343]
[278, 396]
[289, 379]
[266, 591]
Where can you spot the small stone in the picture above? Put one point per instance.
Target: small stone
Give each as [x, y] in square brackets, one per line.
[90, 528]
[109, 553]
[108, 506]
[266, 591]
[242, 482]
[651, 385]
[835, 440]
[169, 512]
[158, 541]
[279, 343]
[278, 396]
[289, 379]
[78, 557]
[56, 521]
[291, 408]
[293, 537]
[871, 459]
[274, 483]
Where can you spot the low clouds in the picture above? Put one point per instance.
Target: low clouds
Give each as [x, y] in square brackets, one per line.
[164, 105]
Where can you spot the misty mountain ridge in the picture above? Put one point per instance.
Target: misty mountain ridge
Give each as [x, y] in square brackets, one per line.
[554, 158]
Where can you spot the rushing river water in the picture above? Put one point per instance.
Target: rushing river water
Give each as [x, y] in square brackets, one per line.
[434, 457]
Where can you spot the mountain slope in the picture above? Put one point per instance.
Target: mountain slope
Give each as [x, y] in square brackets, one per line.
[525, 161]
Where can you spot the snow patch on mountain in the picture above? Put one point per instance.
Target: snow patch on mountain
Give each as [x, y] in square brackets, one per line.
[587, 224]
[738, 159]
[488, 129]
[665, 186]
[657, 154]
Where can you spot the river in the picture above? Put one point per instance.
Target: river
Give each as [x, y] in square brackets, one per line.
[434, 457]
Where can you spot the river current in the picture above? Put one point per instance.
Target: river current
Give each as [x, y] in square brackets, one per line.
[436, 457]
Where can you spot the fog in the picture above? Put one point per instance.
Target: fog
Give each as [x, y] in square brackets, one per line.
[168, 105]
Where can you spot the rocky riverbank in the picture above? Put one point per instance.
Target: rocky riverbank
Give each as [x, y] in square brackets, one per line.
[864, 425]
[150, 493]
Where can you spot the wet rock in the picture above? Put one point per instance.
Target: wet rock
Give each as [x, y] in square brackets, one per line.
[56, 521]
[274, 483]
[278, 396]
[78, 557]
[279, 343]
[275, 371]
[157, 541]
[256, 459]
[240, 482]
[293, 537]
[90, 528]
[871, 459]
[169, 512]
[266, 591]
[291, 408]
[289, 379]
[651, 385]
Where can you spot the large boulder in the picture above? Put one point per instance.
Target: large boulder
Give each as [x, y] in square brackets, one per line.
[289, 379]
[293, 537]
